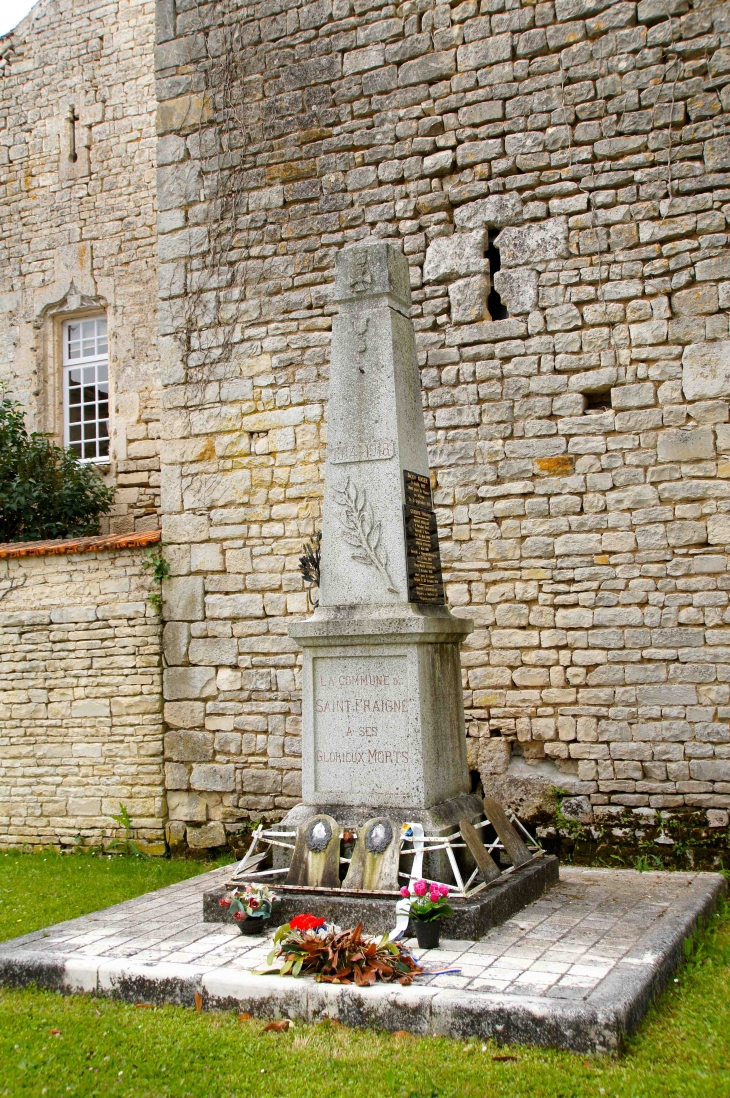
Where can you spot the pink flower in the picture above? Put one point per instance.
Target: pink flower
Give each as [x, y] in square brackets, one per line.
[404, 892]
[225, 902]
[420, 888]
[443, 890]
[435, 895]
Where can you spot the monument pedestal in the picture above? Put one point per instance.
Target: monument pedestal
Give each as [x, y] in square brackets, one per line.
[383, 725]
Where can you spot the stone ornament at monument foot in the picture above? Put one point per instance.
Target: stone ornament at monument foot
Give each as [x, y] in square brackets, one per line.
[383, 739]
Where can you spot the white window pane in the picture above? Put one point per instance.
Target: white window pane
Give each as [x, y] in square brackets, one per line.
[101, 326]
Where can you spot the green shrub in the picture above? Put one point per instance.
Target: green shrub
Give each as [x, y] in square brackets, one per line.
[45, 491]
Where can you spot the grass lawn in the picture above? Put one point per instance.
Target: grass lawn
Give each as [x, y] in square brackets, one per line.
[55, 1046]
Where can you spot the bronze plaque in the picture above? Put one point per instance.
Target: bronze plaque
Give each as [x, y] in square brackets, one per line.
[423, 559]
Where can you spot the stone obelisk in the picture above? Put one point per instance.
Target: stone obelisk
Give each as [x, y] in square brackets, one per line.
[383, 721]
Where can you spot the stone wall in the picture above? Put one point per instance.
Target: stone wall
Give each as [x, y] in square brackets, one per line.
[80, 236]
[80, 694]
[578, 431]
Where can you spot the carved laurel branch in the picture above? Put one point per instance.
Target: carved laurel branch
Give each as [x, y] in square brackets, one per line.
[360, 530]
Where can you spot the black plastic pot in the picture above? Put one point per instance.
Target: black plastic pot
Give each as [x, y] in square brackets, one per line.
[253, 924]
[428, 934]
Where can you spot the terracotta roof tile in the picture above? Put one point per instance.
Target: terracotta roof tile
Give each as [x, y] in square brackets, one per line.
[77, 545]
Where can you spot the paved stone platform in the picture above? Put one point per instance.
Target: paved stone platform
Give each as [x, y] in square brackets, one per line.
[575, 969]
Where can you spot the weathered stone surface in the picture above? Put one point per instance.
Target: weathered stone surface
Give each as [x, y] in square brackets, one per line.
[496, 211]
[208, 837]
[216, 777]
[706, 371]
[450, 257]
[188, 682]
[686, 444]
[468, 297]
[718, 529]
[517, 288]
[184, 597]
[189, 746]
[532, 245]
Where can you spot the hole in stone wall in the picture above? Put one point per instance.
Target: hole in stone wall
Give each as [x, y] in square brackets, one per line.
[598, 402]
[495, 305]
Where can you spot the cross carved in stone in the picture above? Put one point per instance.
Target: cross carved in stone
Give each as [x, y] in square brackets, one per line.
[73, 118]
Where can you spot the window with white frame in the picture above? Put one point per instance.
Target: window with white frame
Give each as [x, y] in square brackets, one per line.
[86, 388]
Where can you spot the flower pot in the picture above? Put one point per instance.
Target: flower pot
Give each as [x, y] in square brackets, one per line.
[254, 924]
[428, 934]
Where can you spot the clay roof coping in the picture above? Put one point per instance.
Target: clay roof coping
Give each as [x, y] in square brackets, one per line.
[58, 546]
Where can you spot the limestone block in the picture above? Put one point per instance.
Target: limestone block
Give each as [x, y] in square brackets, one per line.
[207, 557]
[188, 682]
[188, 746]
[496, 211]
[706, 371]
[517, 287]
[485, 51]
[86, 750]
[183, 598]
[455, 256]
[214, 777]
[178, 184]
[207, 837]
[187, 806]
[261, 781]
[438, 163]
[184, 714]
[235, 606]
[686, 533]
[577, 544]
[468, 297]
[494, 755]
[633, 396]
[91, 707]
[176, 776]
[562, 318]
[213, 651]
[533, 245]
[84, 806]
[695, 300]
[64, 614]
[175, 639]
[718, 529]
[686, 444]
[136, 705]
[717, 154]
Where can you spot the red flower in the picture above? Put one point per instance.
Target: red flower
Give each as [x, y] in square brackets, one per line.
[306, 922]
[224, 902]
[240, 916]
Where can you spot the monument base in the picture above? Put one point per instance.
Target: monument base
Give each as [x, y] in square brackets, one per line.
[472, 917]
[438, 819]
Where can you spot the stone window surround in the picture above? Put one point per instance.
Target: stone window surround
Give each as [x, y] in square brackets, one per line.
[51, 323]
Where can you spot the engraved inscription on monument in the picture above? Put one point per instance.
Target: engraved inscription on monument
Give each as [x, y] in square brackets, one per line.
[363, 713]
[425, 581]
[375, 449]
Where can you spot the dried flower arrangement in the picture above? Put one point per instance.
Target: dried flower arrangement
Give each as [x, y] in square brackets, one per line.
[311, 947]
